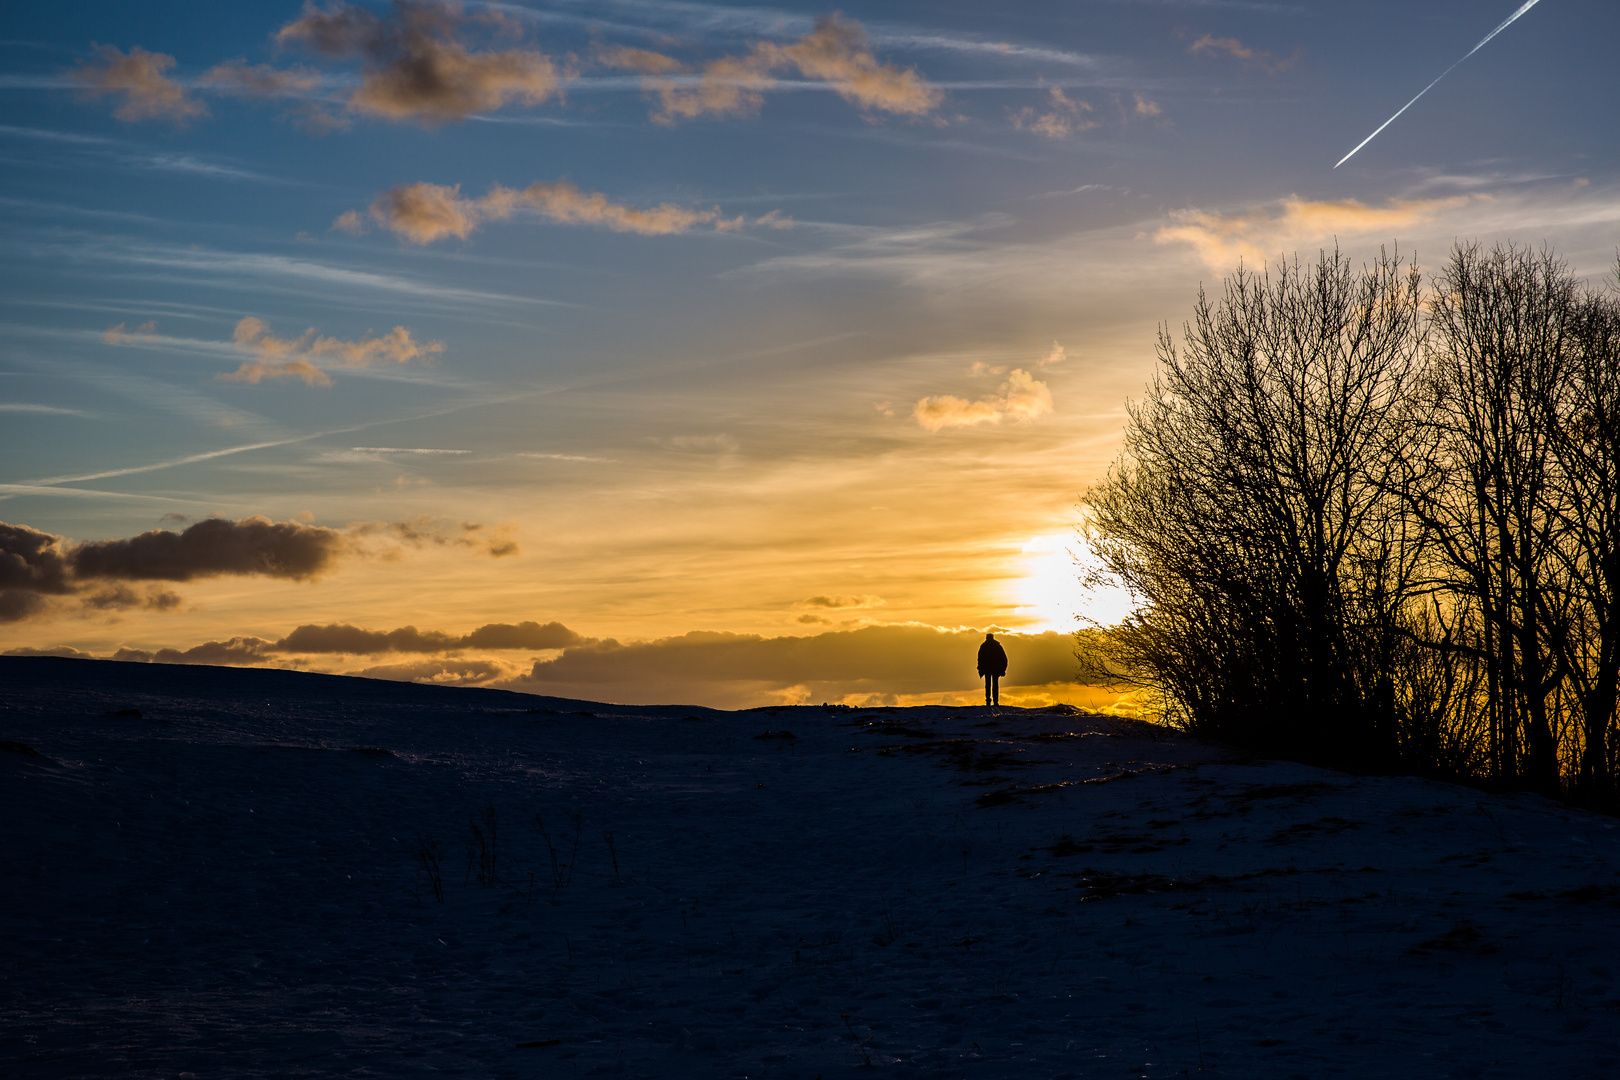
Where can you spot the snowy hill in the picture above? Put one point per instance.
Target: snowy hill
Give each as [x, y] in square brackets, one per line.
[230, 872]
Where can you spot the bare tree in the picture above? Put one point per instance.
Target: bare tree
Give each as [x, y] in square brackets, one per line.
[1504, 334]
[1585, 514]
[1253, 511]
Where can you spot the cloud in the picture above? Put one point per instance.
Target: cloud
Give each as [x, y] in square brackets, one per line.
[296, 358]
[1141, 107]
[120, 335]
[42, 573]
[421, 213]
[1065, 118]
[417, 65]
[643, 60]
[1022, 398]
[837, 601]
[836, 53]
[141, 77]
[212, 548]
[260, 80]
[234, 652]
[123, 598]
[457, 672]
[743, 668]
[1053, 358]
[1222, 240]
[33, 561]
[36, 566]
[430, 531]
[1209, 45]
[343, 638]
[702, 444]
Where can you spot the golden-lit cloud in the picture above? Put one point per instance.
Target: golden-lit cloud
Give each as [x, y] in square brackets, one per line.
[643, 60]
[1210, 45]
[142, 78]
[1021, 398]
[1252, 236]
[421, 213]
[1143, 108]
[417, 65]
[1064, 117]
[296, 358]
[565, 204]
[836, 52]
[122, 335]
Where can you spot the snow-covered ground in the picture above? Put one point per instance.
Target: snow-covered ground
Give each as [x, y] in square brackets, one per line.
[229, 885]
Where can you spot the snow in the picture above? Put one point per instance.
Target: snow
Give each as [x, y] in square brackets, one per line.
[228, 885]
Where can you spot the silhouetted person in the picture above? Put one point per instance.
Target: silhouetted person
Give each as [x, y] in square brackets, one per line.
[992, 665]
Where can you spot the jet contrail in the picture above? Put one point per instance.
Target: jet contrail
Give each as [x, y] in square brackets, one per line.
[1526, 6]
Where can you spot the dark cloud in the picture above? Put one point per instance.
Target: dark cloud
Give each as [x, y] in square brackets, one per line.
[18, 604]
[54, 650]
[40, 571]
[343, 638]
[705, 665]
[835, 601]
[418, 65]
[123, 598]
[214, 547]
[235, 652]
[523, 635]
[33, 561]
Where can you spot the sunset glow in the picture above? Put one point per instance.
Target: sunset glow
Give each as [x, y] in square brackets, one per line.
[738, 342]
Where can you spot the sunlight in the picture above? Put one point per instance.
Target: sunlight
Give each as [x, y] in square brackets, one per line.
[1051, 592]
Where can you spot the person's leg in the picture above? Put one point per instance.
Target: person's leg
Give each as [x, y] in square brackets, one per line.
[988, 679]
[995, 689]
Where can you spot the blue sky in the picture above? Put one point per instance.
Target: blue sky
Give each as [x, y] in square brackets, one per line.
[761, 321]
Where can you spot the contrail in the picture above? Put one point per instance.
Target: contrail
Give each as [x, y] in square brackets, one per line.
[1526, 6]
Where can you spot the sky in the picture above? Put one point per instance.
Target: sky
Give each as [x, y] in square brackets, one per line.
[668, 351]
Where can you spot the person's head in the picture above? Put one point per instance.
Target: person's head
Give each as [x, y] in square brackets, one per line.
[989, 637]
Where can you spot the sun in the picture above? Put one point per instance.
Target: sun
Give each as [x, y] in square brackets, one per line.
[1051, 593]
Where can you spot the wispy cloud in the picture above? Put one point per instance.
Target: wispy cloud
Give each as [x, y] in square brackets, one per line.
[305, 357]
[836, 53]
[1022, 398]
[1255, 234]
[252, 271]
[421, 213]
[52, 410]
[1210, 45]
[141, 79]
[1064, 117]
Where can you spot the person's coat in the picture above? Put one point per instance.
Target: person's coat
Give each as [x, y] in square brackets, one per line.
[992, 659]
